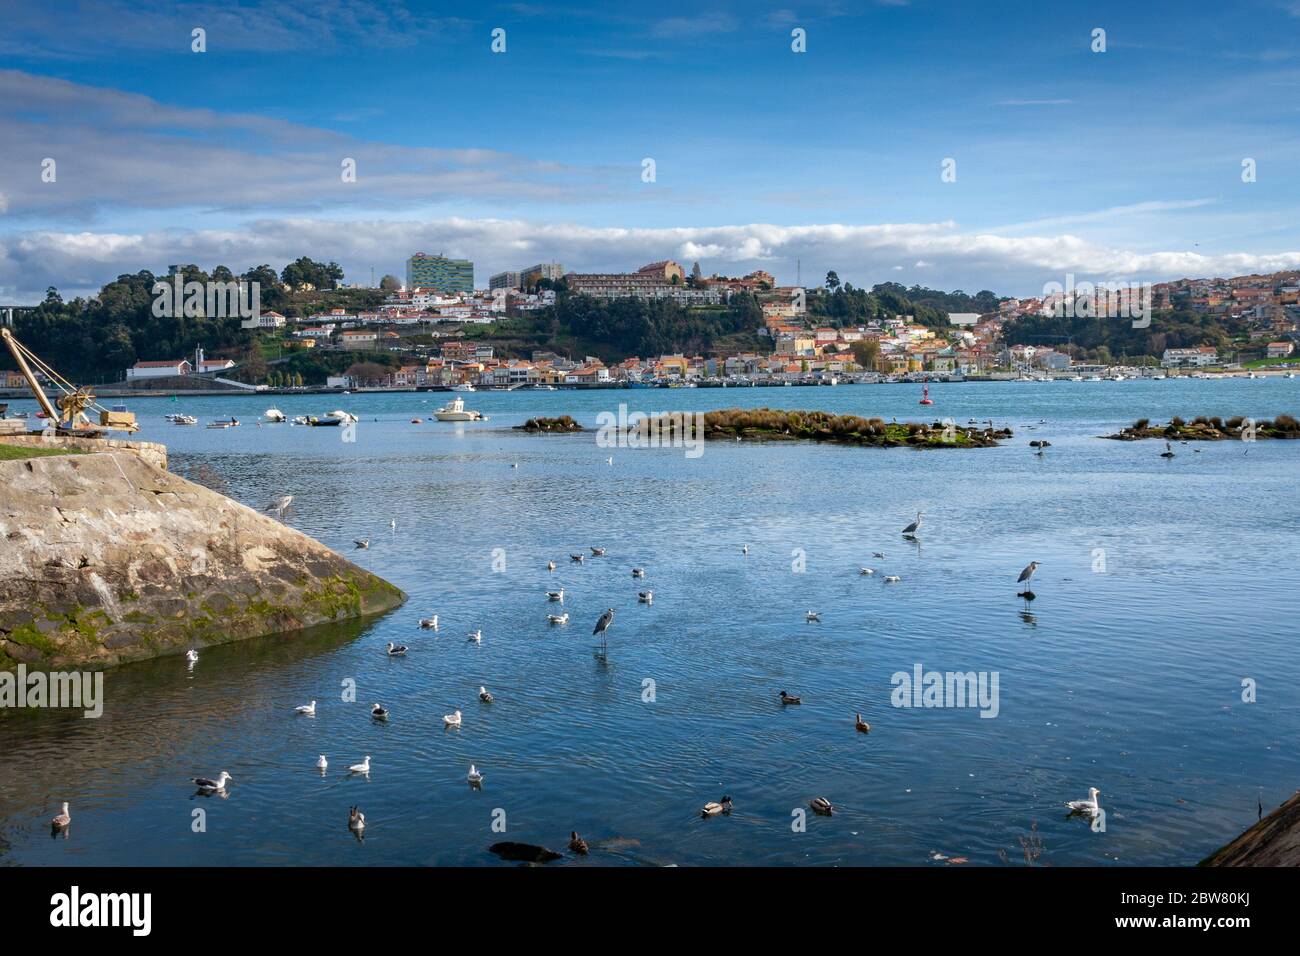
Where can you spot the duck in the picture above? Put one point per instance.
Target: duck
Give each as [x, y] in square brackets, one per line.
[577, 844]
[638, 572]
[788, 699]
[356, 819]
[322, 764]
[474, 777]
[557, 618]
[208, 785]
[363, 767]
[429, 623]
[576, 557]
[712, 809]
[396, 650]
[892, 579]
[866, 571]
[597, 552]
[555, 595]
[452, 720]
[192, 655]
[812, 616]
[484, 696]
[550, 565]
[379, 712]
[646, 597]
[821, 805]
[862, 726]
[308, 709]
[475, 637]
[63, 818]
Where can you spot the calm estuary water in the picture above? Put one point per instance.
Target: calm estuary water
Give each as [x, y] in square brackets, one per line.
[1127, 678]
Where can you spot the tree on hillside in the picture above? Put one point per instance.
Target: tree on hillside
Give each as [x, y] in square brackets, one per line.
[832, 280]
[390, 283]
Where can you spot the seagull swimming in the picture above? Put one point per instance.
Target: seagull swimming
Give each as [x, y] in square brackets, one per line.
[474, 777]
[813, 616]
[866, 570]
[638, 572]
[361, 542]
[321, 763]
[356, 819]
[550, 565]
[558, 618]
[379, 712]
[452, 720]
[429, 623]
[576, 557]
[308, 709]
[62, 819]
[363, 767]
[192, 655]
[555, 595]
[212, 786]
[597, 552]
[646, 597]
[475, 637]
[483, 695]
[1089, 806]
[892, 579]
[878, 554]
[745, 550]
[396, 650]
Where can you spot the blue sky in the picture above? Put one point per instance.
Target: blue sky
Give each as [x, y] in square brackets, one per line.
[1124, 164]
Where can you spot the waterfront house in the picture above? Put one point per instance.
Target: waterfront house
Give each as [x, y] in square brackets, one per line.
[165, 369]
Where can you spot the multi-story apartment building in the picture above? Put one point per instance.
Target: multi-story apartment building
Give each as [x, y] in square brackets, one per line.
[438, 272]
[505, 280]
[543, 270]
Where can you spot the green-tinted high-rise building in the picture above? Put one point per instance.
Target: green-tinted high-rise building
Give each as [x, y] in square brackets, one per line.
[438, 272]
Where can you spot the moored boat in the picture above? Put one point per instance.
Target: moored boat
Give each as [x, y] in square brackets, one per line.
[455, 411]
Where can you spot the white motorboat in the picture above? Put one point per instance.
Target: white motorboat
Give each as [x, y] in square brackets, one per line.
[275, 415]
[464, 387]
[178, 419]
[455, 411]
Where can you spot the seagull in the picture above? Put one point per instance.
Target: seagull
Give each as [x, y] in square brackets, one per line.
[308, 709]
[602, 625]
[363, 767]
[356, 819]
[577, 844]
[558, 618]
[62, 819]
[379, 712]
[483, 695]
[609, 460]
[392, 524]
[361, 542]
[550, 565]
[597, 552]
[638, 572]
[1168, 452]
[812, 616]
[555, 595]
[429, 623]
[787, 699]
[821, 805]
[878, 554]
[321, 763]
[278, 505]
[396, 650]
[452, 720]
[862, 726]
[576, 557]
[892, 579]
[1088, 806]
[1028, 572]
[866, 570]
[475, 637]
[914, 527]
[646, 597]
[712, 808]
[474, 777]
[212, 786]
[192, 656]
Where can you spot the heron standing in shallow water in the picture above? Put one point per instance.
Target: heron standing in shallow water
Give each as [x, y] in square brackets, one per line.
[603, 624]
[914, 527]
[1024, 579]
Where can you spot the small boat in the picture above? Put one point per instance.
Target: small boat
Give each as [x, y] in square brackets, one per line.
[275, 415]
[455, 411]
[178, 419]
[224, 424]
[325, 422]
[464, 387]
[334, 418]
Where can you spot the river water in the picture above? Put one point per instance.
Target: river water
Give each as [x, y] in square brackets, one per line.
[1165, 583]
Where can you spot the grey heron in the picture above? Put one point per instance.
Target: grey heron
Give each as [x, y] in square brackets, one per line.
[1168, 452]
[915, 526]
[603, 624]
[1028, 572]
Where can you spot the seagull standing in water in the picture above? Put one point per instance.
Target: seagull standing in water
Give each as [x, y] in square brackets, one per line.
[914, 527]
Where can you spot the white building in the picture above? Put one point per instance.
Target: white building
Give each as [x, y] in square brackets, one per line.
[167, 369]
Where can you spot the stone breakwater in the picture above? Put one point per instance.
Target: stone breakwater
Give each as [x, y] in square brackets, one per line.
[107, 558]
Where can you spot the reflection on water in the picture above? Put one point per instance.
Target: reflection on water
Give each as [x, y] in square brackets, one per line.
[1127, 679]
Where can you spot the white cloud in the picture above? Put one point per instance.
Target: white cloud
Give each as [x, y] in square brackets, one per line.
[80, 262]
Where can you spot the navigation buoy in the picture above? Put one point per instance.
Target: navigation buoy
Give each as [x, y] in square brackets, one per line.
[925, 395]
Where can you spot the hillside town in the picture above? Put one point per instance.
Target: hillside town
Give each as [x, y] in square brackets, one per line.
[437, 331]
